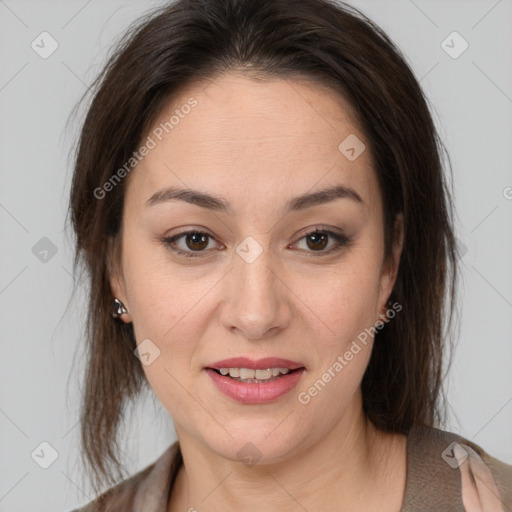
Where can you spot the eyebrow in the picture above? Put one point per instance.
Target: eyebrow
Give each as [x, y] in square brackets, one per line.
[219, 204]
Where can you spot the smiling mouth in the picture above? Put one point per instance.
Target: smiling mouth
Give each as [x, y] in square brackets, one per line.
[252, 376]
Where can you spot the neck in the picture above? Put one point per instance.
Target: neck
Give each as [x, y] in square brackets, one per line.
[355, 467]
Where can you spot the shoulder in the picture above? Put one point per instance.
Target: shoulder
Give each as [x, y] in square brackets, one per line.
[147, 490]
[453, 473]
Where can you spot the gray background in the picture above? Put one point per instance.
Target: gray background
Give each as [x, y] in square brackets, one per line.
[41, 358]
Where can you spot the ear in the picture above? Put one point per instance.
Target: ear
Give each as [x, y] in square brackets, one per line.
[115, 274]
[392, 263]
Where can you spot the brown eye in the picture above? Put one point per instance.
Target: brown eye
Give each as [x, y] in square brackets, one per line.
[189, 243]
[318, 241]
[196, 241]
[323, 241]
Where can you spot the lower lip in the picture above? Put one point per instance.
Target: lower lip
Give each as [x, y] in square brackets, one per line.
[255, 393]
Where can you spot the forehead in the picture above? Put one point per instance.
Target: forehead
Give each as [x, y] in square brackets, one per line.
[247, 139]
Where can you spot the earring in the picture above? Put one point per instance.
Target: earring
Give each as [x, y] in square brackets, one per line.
[119, 309]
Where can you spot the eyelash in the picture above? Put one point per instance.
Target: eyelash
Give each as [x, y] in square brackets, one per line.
[341, 241]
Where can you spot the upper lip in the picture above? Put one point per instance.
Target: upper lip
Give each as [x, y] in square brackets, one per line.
[255, 364]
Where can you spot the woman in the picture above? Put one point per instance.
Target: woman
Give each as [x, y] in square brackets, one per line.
[260, 204]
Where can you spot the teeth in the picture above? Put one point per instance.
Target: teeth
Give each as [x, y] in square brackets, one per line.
[249, 373]
[234, 372]
[263, 374]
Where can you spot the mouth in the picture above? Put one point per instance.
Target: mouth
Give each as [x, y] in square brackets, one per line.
[255, 382]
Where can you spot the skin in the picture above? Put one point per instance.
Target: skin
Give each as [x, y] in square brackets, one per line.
[258, 143]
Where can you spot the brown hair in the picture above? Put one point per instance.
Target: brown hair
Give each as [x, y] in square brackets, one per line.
[191, 40]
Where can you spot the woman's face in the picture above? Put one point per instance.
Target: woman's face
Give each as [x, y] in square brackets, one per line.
[254, 283]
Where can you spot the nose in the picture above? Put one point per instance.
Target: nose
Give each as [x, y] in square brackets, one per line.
[256, 299]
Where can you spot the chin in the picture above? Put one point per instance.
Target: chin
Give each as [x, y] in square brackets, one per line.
[253, 442]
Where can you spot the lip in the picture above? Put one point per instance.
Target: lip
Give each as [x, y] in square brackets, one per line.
[255, 393]
[255, 364]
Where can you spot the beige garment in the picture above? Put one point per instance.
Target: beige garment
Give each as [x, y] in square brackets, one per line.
[445, 473]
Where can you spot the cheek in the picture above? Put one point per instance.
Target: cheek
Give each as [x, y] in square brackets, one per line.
[346, 308]
[159, 293]
[168, 307]
[343, 301]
